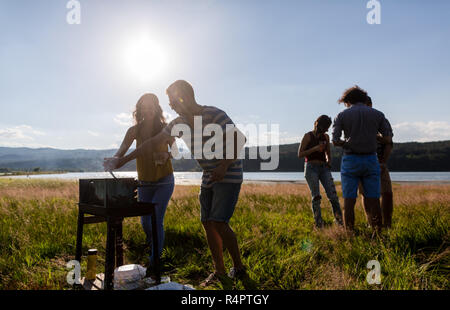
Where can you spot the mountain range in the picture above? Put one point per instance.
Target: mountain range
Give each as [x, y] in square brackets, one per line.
[411, 156]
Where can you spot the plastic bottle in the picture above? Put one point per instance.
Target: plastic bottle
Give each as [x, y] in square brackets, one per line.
[91, 264]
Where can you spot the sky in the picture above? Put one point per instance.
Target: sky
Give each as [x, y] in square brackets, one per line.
[268, 62]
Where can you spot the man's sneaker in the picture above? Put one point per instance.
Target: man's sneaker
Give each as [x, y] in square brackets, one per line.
[215, 278]
[238, 273]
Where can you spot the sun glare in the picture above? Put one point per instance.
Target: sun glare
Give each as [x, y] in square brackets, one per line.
[145, 59]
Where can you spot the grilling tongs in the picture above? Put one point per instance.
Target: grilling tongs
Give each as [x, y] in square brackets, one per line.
[112, 174]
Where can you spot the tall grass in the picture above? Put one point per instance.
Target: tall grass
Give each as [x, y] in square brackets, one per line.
[274, 226]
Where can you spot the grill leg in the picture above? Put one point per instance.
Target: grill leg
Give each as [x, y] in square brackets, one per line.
[157, 267]
[110, 255]
[119, 243]
[79, 236]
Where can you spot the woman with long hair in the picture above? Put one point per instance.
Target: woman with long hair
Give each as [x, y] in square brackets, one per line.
[315, 147]
[155, 172]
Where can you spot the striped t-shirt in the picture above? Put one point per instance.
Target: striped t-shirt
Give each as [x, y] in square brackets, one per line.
[210, 115]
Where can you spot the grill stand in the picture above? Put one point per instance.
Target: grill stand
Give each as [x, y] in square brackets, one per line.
[114, 244]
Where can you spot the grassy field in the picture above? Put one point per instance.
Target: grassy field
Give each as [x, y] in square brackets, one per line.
[274, 226]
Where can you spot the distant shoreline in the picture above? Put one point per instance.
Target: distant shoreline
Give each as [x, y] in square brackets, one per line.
[19, 173]
[195, 179]
[272, 182]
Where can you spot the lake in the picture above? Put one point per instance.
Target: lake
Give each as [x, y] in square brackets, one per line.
[188, 178]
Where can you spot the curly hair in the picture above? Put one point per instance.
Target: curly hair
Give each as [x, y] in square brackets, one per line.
[353, 95]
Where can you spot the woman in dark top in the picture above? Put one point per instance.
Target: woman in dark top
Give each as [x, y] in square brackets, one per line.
[315, 147]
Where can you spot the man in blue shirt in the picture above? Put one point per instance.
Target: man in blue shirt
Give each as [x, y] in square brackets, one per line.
[361, 125]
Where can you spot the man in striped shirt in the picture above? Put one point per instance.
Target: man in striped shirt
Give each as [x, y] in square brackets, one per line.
[222, 174]
[209, 163]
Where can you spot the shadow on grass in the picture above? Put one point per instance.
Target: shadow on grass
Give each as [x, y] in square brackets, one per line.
[247, 283]
[180, 249]
[185, 254]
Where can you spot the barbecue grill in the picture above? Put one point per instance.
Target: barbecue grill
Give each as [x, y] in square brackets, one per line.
[112, 200]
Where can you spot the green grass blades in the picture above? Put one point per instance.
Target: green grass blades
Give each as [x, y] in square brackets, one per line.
[275, 230]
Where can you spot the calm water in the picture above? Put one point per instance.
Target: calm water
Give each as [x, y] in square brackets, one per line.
[194, 177]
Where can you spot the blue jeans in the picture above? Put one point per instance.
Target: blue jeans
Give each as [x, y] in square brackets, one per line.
[158, 193]
[315, 173]
[364, 169]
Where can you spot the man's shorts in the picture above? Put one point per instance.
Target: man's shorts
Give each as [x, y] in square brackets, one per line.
[219, 201]
[360, 168]
[386, 184]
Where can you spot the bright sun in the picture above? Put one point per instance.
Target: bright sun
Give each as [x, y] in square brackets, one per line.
[145, 59]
